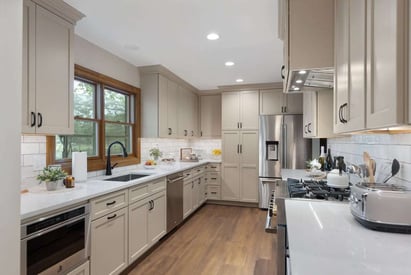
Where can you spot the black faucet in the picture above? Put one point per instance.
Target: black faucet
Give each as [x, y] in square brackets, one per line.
[108, 165]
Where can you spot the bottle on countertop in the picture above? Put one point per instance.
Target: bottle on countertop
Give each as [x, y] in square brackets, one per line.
[329, 161]
[321, 159]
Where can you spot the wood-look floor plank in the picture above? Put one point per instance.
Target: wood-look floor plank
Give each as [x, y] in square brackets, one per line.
[217, 240]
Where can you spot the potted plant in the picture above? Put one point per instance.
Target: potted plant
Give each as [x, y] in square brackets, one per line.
[51, 176]
[155, 153]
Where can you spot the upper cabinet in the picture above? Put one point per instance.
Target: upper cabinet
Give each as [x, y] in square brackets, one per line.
[169, 105]
[370, 63]
[210, 116]
[307, 29]
[318, 114]
[275, 102]
[48, 67]
[240, 110]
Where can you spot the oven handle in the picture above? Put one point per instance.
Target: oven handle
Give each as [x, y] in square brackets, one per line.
[47, 230]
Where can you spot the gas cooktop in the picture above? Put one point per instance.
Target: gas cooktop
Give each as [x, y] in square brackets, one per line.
[316, 189]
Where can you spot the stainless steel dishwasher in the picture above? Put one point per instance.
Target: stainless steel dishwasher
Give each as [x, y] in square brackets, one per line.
[174, 200]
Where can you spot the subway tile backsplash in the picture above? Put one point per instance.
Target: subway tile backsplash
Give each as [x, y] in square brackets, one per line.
[33, 153]
[383, 148]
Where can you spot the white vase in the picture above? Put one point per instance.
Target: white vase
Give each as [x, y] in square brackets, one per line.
[51, 185]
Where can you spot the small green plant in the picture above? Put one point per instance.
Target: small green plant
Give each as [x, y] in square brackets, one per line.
[51, 174]
[155, 153]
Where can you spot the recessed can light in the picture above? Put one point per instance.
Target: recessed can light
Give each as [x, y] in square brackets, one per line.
[229, 63]
[299, 81]
[213, 36]
[296, 89]
[302, 72]
[239, 80]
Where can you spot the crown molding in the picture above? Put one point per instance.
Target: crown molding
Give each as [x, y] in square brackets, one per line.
[61, 9]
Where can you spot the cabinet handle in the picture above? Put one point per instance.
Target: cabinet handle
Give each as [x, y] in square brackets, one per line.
[241, 125]
[111, 217]
[241, 148]
[214, 178]
[40, 120]
[152, 203]
[309, 127]
[305, 129]
[33, 119]
[343, 107]
[285, 109]
[238, 148]
[201, 133]
[110, 203]
[339, 114]
[214, 193]
[282, 71]
[192, 133]
[238, 125]
[170, 131]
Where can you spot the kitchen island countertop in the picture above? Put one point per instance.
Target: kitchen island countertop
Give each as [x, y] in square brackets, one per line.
[324, 238]
[38, 200]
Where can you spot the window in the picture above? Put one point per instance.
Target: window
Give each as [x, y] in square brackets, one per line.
[105, 110]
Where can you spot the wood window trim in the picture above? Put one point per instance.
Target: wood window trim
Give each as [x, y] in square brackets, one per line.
[99, 162]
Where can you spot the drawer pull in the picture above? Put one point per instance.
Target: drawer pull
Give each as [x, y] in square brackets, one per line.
[213, 167]
[214, 193]
[110, 203]
[111, 217]
[214, 178]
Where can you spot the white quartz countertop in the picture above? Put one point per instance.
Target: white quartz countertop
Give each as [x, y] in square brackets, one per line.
[38, 200]
[325, 239]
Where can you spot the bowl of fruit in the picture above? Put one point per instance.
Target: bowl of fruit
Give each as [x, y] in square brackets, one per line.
[150, 164]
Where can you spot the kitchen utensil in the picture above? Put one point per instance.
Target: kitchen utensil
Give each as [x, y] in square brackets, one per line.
[381, 206]
[368, 162]
[337, 180]
[395, 167]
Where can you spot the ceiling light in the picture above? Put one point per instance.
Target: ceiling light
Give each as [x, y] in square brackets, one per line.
[296, 89]
[239, 80]
[302, 72]
[299, 81]
[229, 63]
[213, 36]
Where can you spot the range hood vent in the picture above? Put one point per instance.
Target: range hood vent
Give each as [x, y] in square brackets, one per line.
[308, 79]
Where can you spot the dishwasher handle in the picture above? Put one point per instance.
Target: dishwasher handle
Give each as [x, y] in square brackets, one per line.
[174, 180]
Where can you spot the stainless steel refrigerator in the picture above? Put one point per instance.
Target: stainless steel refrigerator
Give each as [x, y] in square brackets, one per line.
[281, 145]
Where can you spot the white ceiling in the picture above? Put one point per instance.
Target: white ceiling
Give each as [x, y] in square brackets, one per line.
[173, 33]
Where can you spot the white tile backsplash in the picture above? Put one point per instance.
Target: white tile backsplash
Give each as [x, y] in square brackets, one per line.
[33, 153]
[382, 147]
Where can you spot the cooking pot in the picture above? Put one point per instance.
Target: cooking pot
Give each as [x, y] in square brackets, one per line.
[336, 179]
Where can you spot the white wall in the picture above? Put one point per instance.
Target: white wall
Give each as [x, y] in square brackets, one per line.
[383, 148]
[10, 121]
[97, 59]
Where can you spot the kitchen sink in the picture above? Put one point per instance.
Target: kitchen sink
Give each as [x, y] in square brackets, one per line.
[127, 177]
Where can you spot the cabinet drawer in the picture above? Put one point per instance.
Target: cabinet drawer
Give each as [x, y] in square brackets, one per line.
[139, 192]
[157, 185]
[213, 167]
[213, 178]
[187, 174]
[108, 203]
[213, 192]
[197, 171]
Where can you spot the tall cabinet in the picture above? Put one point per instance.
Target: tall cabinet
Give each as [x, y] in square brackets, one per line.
[240, 146]
[48, 67]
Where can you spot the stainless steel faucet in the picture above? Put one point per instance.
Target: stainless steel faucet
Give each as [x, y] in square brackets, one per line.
[108, 165]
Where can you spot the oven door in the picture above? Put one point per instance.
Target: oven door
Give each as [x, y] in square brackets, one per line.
[56, 250]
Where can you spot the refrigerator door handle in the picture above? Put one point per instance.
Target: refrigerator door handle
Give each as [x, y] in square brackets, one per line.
[285, 145]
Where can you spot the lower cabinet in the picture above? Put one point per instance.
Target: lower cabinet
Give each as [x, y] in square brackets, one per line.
[194, 190]
[109, 243]
[187, 198]
[147, 224]
[83, 269]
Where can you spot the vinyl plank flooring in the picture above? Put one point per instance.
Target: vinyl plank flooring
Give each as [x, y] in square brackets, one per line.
[216, 240]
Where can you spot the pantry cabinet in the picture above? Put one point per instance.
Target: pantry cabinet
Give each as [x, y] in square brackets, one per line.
[240, 166]
[370, 82]
[48, 67]
[275, 102]
[169, 106]
[240, 110]
[109, 243]
[210, 116]
[317, 117]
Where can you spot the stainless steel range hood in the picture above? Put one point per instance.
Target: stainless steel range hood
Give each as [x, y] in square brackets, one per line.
[312, 79]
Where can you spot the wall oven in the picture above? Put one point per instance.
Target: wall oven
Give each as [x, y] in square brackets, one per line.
[56, 243]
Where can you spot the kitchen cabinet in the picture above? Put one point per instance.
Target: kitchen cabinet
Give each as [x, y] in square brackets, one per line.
[147, 217]
[107, 204]
[48, 67]
[349, 90]
[318, 114]
[193, 190]
[83, 269]
[109, 243]
[386, 62]
[275, 102]
[169, 106]
[210, 116]
[307, 30]
[239, 110]
[371, 88]
[213, 181]
[240, 166]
